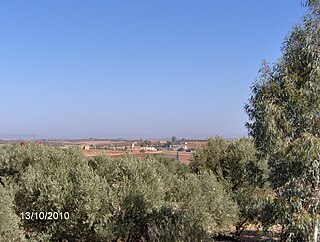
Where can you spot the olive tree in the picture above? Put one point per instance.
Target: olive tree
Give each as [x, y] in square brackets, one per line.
[10, 229]
[152, 202]
[284, 110]
[106, 199]
[236, 165]
[63, 183]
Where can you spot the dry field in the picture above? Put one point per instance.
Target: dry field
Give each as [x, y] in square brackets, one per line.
[184, 157]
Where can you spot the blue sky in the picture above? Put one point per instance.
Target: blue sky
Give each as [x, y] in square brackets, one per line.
[135, 69]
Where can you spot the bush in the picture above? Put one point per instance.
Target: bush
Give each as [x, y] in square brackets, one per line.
[9, 222]
[236, 165]
[171, 207]
[204, 205]
[15, 159]
[64, 183]
[174, 166]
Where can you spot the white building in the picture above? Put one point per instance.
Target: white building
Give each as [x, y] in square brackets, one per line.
[149, 149]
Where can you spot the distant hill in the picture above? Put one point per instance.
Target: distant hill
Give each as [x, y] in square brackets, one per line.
[4, 136]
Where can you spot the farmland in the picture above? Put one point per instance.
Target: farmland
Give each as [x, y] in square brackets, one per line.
[117, 148]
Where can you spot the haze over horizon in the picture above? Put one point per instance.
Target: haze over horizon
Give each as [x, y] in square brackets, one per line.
[135, 69]
[190, 136]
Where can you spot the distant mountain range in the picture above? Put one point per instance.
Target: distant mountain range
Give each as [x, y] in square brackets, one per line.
[4, 136]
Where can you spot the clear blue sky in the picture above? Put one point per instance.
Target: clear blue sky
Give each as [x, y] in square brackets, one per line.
[135, 69]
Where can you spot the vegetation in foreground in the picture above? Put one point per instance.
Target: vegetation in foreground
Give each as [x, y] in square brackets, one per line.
[124, 199]
[284, 111]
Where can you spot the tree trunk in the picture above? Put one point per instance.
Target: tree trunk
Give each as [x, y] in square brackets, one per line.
[315, 230]
[316, 219]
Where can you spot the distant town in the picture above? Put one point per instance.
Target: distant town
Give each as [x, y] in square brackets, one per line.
[179, 149]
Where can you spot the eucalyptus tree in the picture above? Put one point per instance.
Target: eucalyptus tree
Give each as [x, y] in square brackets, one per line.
[284, 110]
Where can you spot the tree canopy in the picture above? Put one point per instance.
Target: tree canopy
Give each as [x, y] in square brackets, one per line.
[284, 110]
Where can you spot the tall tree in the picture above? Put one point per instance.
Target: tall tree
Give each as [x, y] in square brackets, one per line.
[284, 110]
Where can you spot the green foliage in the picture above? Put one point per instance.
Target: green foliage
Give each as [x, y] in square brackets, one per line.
[9, 222]
[203, 202]
[174, 166]
[172, 206]
[123, 199]
[284, 110]
[14, 159]
[235, 163]
[313, 4]
[145, 143]
[237, 166]
[211, 157]
[63, 182]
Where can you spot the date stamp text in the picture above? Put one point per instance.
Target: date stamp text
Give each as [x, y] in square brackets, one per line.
[45, 215]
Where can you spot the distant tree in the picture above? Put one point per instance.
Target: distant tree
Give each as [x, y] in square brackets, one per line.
[174, 140]
[284, 110]
[145, 143]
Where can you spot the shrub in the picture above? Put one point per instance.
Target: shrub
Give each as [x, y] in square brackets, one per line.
[236, 165]
[9, 222]
[171, 207]
[64, 183]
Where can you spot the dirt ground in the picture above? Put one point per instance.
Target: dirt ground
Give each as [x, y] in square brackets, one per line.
[184, 157]
[254, 233]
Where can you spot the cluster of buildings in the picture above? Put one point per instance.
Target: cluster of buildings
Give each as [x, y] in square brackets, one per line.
[153, 145]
